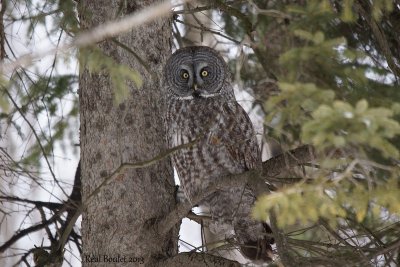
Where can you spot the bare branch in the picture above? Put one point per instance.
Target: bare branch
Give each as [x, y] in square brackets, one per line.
[50, 205]
[71, 206]
[208, 30]
[270, 168]
[19, 234]
[99, 33]
[37, 139]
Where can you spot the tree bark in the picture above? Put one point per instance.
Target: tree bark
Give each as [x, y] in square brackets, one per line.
[116, 223]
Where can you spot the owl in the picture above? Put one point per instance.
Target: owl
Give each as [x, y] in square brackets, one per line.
[201, 108]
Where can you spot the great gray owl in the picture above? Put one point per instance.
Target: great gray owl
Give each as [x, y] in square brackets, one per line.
[202, 108]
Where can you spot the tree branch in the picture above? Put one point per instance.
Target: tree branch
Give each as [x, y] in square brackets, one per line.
[281, 242]
[71, 206]
[380, 37]
[249, 28]
[97, 34]
[18, 235]
[50, 205]
[270, 168]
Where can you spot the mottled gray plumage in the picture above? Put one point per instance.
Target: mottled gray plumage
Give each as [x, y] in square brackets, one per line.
[202, 107]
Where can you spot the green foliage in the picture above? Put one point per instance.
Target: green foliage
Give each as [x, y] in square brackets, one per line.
[314, 11]
[336, 95]
[4, 104]
[347, 13]
[299, 203]
[339, 124]
[305, 203]
[96, 61]
[381, 6]
[48, 91]
[300, 99]
[68, 20]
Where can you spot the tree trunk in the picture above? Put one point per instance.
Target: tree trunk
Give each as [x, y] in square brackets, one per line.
[116, 222]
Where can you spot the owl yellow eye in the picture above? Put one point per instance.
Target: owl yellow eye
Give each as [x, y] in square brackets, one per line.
[204, 73]
[185, 75]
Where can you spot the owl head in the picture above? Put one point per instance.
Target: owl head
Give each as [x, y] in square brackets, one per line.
[197, 72]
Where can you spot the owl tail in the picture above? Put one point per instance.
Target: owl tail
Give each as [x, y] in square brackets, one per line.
[254, 237]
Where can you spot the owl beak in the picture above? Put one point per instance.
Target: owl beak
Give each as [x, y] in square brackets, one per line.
[196, 91]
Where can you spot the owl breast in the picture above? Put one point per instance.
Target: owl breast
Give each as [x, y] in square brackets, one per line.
[223, 141]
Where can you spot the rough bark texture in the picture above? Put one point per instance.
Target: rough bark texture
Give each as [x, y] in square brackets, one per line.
[116, 222]
[197, 260]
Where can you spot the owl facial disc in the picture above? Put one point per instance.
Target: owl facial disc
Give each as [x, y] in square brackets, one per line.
[196, 73]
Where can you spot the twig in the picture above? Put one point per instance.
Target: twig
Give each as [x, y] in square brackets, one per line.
[380, 38]
[97, 34]
[37, 139]
[208, 30]
[27, 231]
[272, 167]
[75, 215]
[269, 12]
[392, 246]
[193, 10]
[50, 205]
[281, 241]
[249, 28]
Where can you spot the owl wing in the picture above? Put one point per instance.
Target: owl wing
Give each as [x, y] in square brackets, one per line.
[237, 136]
[173, 133]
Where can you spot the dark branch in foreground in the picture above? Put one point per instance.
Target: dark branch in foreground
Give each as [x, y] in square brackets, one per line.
[58, 242]
[257, 181]
[18, 235]
[270, 168]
